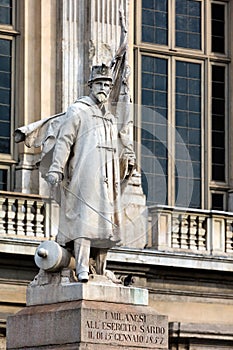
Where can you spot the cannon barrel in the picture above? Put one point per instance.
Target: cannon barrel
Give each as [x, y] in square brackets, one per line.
[50, 256]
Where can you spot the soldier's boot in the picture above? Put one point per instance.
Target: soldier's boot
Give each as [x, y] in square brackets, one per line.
[82, 254]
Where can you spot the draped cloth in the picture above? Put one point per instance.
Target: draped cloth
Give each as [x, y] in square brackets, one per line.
[42, 133]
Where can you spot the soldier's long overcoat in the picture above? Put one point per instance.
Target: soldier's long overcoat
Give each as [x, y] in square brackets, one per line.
[86, 154]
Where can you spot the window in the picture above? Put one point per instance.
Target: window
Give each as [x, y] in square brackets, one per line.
[188, 24]
[218, 122]
[154, 140]
[7, 37]
[218, 201]
[155, 21]
[218, 27]
[188, 133]
[4, 179]
[182, 64]
[6, 12]
[5, 95]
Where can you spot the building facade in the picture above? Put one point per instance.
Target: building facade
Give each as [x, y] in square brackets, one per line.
[178, 236]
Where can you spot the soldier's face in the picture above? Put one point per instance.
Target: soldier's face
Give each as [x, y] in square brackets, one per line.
[101, 89]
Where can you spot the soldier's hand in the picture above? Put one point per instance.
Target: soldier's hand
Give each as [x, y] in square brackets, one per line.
[53, 178]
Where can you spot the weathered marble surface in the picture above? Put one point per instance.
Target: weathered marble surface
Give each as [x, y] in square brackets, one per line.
[87, 325]
[99, 288]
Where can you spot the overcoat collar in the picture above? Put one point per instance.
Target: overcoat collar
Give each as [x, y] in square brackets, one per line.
[87, 100]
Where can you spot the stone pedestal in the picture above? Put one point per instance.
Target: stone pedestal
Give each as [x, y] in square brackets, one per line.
[96, 315]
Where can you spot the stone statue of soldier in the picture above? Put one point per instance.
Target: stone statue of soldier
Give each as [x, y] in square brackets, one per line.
[86, 167]
[87, 157]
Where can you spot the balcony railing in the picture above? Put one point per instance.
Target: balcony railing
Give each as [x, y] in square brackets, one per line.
[31, 218]
[26, 217]
[198, 231]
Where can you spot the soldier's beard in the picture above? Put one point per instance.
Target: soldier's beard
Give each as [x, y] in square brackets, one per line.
[101, 97]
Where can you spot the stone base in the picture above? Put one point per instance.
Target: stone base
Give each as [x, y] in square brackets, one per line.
[87, 325]
[86, 347]
[96, 315]
[99, 288]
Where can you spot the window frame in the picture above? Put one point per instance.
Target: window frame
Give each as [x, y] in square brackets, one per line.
[216, 183]
[171, 107]
[8, 32]
[202, 116]
[9, 156]
[139, 114]
[226, 28]
[171, 46]
[8, 169]
[173, 42]
[206, 58]
[224, 194]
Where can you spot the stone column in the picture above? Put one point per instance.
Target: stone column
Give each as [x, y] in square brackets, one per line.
[73, 44]
[89, 34]
[35, 80]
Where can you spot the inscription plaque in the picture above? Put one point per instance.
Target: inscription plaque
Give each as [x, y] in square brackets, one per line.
[88, 325]
[125, 329]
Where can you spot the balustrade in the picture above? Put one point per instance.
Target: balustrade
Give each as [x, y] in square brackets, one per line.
[23, 216]
[30, 217]
[229, 235]
[2, 215]
[191, 230]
